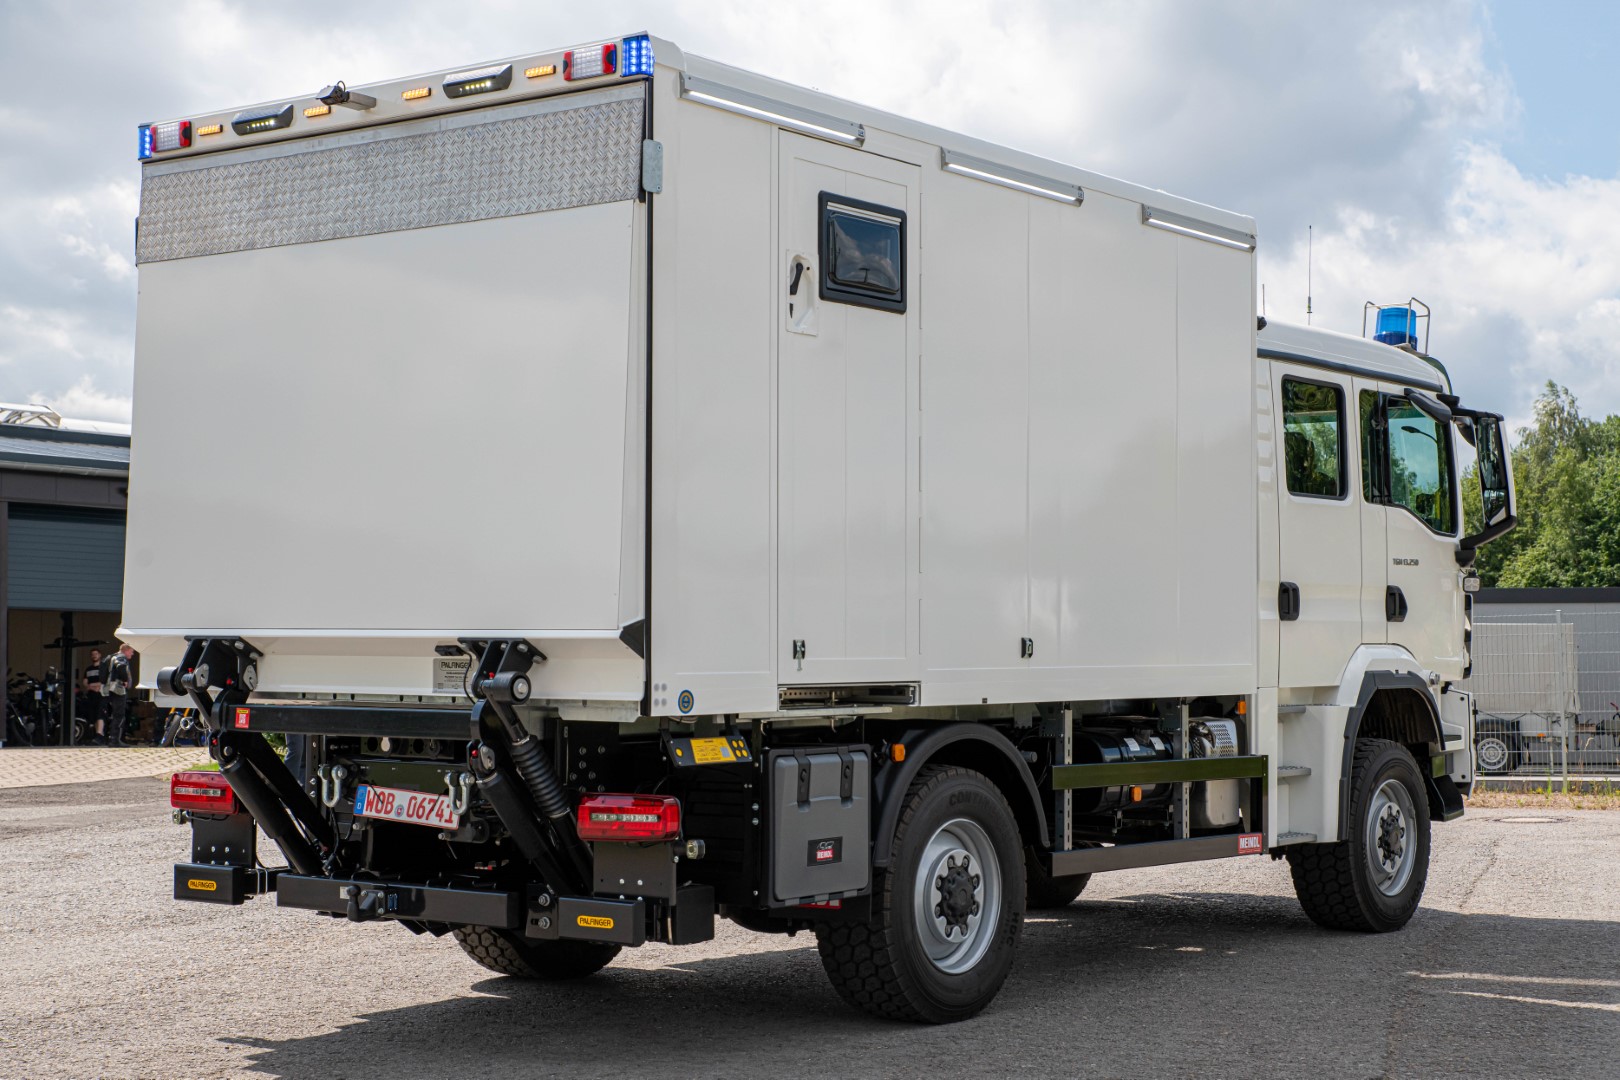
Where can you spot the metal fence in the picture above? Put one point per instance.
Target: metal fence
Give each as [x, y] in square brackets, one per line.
[1546, 688]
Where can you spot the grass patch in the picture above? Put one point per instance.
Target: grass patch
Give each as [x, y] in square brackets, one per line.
[1582, 795]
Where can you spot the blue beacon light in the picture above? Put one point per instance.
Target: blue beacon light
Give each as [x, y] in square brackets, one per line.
[1397, 326]
[637, 57]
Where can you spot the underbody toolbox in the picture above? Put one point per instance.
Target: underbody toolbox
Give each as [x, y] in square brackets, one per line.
[820, 822]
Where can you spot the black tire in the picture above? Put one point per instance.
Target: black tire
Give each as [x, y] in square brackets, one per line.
[511, 954]
[1042, 892]
[882, 966]
[1337, 883]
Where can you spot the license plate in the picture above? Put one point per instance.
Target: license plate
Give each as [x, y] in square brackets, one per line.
[397, 804]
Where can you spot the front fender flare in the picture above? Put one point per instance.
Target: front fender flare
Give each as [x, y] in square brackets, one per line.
[1371, 683]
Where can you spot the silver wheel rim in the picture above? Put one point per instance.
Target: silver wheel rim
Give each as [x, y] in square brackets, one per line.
[957, 897]
[1492, 752]
[1391, 837]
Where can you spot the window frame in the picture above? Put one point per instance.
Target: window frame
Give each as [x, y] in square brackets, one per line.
[1343, 393]
[1377, 484]
[836, 293]
[1450, 478]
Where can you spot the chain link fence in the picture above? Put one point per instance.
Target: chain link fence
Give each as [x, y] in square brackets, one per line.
[1546, 688]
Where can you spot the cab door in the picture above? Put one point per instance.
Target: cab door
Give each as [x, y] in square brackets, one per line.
[846, 373]
[1423, 598]
[1319, 527]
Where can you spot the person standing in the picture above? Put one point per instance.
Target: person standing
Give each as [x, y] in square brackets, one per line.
[120, 678]
[95, 695]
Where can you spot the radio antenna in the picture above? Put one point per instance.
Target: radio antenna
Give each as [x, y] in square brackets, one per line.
[1310, 248]
[1262, 299]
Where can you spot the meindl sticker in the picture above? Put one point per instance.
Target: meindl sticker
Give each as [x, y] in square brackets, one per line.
[826, 852]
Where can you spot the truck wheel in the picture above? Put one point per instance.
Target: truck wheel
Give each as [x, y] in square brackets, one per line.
[1042, 892]
[513, 954]
[946, 911]
[1495, 749]
[1374, 880]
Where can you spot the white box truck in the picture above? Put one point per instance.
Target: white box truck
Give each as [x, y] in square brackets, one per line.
[645, 492]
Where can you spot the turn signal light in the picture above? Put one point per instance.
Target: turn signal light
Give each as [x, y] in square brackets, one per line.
[636, 818]
[204, 792]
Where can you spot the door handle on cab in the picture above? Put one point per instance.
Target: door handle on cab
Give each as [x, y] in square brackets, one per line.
[1288, 601]
[1394, 604]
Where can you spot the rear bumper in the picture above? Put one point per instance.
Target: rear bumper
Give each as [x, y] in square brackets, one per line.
[362, 901]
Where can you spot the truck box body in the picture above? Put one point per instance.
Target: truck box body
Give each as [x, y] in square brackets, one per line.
[401, 369]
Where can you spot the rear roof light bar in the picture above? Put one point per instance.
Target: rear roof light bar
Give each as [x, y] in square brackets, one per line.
[623, 58]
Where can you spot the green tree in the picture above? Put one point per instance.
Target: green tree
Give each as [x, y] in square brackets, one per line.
[1566, 473]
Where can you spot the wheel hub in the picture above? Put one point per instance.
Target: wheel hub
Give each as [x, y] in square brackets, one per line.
[1389, 844]
[956, 893]
[1391, 837]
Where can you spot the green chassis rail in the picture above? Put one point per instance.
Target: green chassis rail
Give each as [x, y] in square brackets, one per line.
[1252, 768]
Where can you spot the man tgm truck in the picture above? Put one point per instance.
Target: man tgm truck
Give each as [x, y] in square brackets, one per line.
[656, 493]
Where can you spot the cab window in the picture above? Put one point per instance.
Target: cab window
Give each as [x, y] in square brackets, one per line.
[1420, 465]
[1313, 439]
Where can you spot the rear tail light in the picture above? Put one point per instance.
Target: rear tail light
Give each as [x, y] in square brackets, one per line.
[204, 792]
[629, 817]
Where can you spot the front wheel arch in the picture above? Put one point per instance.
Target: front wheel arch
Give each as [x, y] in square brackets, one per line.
[1392, 705]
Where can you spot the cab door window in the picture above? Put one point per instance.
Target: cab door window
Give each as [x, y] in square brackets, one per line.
[1313, 439]
[1416, 470]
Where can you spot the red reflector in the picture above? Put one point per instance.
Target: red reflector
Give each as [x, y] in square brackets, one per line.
[205, 792]
[629, 817]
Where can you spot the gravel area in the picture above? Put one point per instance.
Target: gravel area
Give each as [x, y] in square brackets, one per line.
[1511, 969]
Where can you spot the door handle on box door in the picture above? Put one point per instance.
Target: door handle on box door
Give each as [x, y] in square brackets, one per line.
[801, 311]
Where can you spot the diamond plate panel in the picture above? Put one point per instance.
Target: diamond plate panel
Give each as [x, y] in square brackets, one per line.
[576, 157]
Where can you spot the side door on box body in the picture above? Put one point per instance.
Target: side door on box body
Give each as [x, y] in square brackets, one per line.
[848, 311]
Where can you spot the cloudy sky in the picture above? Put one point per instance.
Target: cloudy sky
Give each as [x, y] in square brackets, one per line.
[1463, 151]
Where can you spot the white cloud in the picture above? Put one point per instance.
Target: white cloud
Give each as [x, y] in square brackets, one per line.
[1521, 273]
[85, 401]
[1377, 123]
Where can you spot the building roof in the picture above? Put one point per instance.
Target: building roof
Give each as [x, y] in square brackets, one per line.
[1591, 595]
[63, 450]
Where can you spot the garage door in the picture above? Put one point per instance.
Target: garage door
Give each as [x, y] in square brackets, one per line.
[64, 559]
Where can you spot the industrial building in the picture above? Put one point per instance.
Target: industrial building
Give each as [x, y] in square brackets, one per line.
[63, 486]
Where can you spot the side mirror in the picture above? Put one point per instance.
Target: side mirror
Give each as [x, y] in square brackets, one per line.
[1495, 486]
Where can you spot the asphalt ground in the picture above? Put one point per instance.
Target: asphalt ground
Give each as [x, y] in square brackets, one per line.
[1511, 969]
